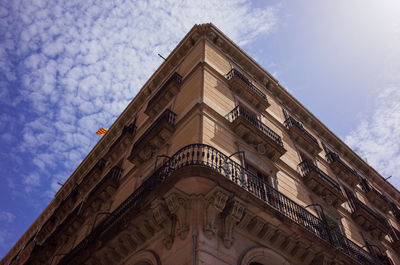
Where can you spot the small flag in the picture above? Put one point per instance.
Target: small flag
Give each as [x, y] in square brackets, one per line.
[101, 131]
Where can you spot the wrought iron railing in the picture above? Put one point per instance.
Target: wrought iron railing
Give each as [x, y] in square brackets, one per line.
[306, 167]
[209, 157]
[395, 211]
[238, 74]
[290, 122]
[131, 129]
[358, 205]
[175, 77]
[240, 111]
[167, 116]
[368, 188]
[333, 157]
[395, 234]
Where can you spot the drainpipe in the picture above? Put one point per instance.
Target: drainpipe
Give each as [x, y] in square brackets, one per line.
[194, 239]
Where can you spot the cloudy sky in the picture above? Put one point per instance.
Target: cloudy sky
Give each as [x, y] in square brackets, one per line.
[69, 67]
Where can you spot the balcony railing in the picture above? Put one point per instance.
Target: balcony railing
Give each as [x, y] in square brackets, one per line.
[368, 188]
[375, 196]
[131, 129]
[371, 221]
[153, 138]
[174, 78]
[208, 157]
[358, 205]
[240, 111]
[307, 167]
[167, 116]
[333, 157]
[342, 169]
[290, 122]
[395, 210]
[395, 234]
[232, 73]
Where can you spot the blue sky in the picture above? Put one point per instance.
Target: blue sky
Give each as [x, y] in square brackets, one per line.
[69, 67]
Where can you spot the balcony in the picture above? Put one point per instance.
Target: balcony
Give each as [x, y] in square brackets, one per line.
[153, 138]
[110, 182]
[321, 183]
[243, 87]
[368, 219]
[342, 170]
[256, 133]
[164, 95]
[395, 235]
[395, 211]
[376, 197]
[207, 157]
[302, 136]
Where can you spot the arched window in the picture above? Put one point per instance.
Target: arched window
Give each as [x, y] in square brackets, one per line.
[263, 256]
[145, 257]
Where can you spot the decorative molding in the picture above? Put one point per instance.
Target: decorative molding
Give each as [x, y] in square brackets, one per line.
[262, 255]
[178, 204]
[163, 218]
[231, 217]
[215, 203]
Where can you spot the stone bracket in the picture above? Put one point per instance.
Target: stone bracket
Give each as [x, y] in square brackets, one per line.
[215, 203]
[164, 219]
[231, 217]
[178, 204]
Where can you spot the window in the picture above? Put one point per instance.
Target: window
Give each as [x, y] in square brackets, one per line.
[258, 182]
[335, 230]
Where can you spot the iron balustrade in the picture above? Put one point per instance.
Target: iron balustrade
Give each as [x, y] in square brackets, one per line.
[290, 122]
[353, 250]
[175, 77]
[306, 167]
[206, 156]
[115, 174]
[131, 129]
[358, 205]
[332, 157]
[167, 116]
[395, 234]
[240, 111]
[368, 188]
[395, 210]
[238, 74]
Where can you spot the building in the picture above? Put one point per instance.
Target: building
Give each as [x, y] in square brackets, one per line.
[214, 162]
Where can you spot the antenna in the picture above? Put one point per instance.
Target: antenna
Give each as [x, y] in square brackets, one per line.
[162, 57]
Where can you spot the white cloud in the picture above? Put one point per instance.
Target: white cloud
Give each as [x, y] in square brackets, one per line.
[6, 217]
[81, 62]
[376, 139]
[32, 180]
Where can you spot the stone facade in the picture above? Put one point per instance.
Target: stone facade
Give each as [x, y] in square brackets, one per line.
[214, 162]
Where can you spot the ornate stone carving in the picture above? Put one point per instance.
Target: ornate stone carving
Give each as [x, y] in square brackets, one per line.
[232, 215]
[163, 218]
[322, 259]
[93, 261]
[177, 204]
[215, 204]
[255, 226]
